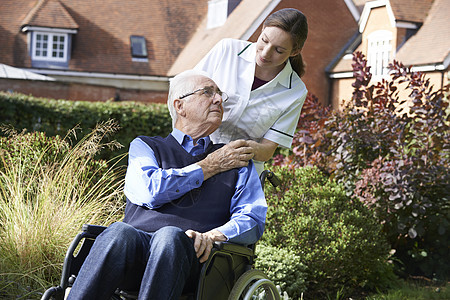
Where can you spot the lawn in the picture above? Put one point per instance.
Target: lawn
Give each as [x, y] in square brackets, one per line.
[416, 289]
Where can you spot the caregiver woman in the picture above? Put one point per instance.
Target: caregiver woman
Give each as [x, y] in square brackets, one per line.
[263, 82]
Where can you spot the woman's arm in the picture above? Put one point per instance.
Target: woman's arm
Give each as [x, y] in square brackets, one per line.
[263, 150]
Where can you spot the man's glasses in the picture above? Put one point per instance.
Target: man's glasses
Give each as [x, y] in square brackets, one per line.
[209, 92]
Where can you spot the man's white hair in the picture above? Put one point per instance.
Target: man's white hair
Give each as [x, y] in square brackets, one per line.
[182, 84]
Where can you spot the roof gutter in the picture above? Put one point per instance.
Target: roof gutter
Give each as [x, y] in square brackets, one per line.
[341, 75]
[442, 66]
[428, 68]
[122, 81]
[353, 10]
[48, 29]
[99, 75]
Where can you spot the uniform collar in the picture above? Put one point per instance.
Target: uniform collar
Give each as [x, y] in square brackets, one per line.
[285, 76]
[187, 142]
[248, 53]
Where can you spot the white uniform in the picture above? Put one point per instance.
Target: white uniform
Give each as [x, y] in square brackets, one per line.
[270, 111]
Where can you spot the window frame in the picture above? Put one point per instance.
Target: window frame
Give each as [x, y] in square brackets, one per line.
[379, 52]
[50, 44]
[141, 40]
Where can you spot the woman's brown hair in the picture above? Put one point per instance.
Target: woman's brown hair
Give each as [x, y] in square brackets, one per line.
[294, 22]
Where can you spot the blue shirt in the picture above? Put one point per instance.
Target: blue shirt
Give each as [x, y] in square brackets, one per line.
[147, 184]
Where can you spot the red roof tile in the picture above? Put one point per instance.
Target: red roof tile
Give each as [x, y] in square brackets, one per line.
[431, 44]
[50, 13]
[360, 4]
[412, 11]
[102, 43]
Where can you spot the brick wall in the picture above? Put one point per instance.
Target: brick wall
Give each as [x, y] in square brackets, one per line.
[78, 91]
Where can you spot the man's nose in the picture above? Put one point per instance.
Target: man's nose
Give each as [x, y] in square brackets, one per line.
[217, 99]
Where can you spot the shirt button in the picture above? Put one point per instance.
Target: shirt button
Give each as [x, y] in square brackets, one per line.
[177, 191]
[197, 182]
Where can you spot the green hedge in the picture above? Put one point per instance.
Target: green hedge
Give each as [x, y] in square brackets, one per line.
[336, 238]
[284, 267]
[57, 117]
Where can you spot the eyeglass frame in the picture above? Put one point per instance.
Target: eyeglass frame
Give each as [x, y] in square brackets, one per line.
[211, 97]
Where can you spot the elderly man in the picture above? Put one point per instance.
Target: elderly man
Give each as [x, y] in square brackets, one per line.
[183, 194]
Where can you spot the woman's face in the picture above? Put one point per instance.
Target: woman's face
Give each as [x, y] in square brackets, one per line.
[273, 48]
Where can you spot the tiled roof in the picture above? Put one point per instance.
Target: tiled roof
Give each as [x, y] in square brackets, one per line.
[50, 13]
[102, 43]
[360, 4]
[412, 11]
[431, 44]
[345, 63]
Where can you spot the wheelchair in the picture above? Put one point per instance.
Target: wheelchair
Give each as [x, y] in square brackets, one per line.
[228, 274]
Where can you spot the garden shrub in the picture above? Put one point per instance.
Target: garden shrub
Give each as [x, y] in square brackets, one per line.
[31, 148]
[48, 190]
[283, 267]
[57, 117]
[337, 239]
[391, 152]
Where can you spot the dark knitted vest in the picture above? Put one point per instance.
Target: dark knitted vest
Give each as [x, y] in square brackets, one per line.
[200, 209]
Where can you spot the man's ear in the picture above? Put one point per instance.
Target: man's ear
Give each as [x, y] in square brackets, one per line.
[179, 107]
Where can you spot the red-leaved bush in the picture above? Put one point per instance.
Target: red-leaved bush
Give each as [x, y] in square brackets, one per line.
[390, 147]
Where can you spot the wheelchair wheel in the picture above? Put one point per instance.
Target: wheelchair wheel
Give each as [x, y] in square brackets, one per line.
[254, 284]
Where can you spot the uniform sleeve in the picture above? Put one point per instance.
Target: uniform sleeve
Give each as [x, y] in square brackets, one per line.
[282, 131]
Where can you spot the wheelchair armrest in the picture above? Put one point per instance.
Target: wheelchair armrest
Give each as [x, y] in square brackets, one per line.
[234, 248]
[93, 230]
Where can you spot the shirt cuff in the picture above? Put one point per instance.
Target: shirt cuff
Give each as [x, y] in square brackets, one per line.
[230, 231]
[192, 168]
[196, 172]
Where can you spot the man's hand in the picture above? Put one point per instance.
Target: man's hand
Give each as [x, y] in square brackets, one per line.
[203, 242]
[236, 154]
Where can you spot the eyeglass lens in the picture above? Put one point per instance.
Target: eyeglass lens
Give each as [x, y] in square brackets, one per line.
[211, 92]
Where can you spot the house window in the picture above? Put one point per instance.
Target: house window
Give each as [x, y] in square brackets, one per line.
[138, 48]
[219, 10]
[379, 51]
[50, 46]
[217, 13]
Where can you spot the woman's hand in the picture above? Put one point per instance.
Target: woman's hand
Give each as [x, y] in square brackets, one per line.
[203, 242]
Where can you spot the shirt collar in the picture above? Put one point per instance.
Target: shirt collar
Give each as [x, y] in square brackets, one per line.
[188, 143]
[285, 76]
[248, 53]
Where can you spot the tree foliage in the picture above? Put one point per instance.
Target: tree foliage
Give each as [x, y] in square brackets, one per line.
[390, 147]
